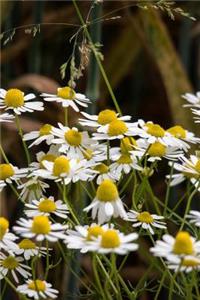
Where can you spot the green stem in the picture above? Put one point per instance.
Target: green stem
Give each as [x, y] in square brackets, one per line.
[96, 275]
[4, 155]
[23, 142]
[69, 205]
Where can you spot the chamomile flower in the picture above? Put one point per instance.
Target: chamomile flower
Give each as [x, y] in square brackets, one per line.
[28, 249]
[13, 264]
[7, 239]
[186, 264]
[67, 97]
[114, 241]
[106, 203]
[5, 117]
[9, 173]
[66, 170]
[196, 112]
[15, 100]
[194, 217]
[102, 119]
[37, 289]
[46, 207]
[71, 141]
[182, 245]
[41, 156]
[194, 100]
[116, 129]
[146, 220]
[103, 172]
[83, 236]
[43, 134]
[40, 228]
[31, 188]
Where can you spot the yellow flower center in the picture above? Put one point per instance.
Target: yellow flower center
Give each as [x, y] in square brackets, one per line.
[47, 206]
[197, 166]
[145, 217]
[45, 129]
[66, 93]
[110, 239]
[94, 231]
[48, 157]
[183, 244]
[157, 149]
[107, 191]
[27, 244]
[73, 137]
[87, 154]
[177, 131]
[155, 130]
[124, 159]
[6, 171]
[101, 168]
[10, 263]
[14, 98]
[189, 262]
[41, 225]
[61, 165]
[117, 127]
[4, 224]
[106, 116]
[37, 285]
[127, 144]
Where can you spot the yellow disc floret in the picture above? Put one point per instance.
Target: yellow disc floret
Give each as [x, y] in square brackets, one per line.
[10, 263]
[14, 98]
[73, 137]
[183, 244]
[4, 224]
[27, 244]
[110, 239]
[45, 129]
[124, 159]
[106, 116]
[127, 144]
[117, 127]
[94, 231]
[61, 166]
[107, 191]
[66, 93]
[88, 154]
[47, 206]
[101, 168]
[41, 225]
[48, 157]
[155, 130]
[197, 166]
[177, 131]
[6, 171]
[190, 262]
[145, 217]
[157, 149]
[37, 285]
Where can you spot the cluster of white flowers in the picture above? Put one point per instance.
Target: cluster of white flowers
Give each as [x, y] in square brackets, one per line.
[90, 159]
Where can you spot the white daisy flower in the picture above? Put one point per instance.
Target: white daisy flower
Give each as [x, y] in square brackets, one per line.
[145, 220]
[102, 119]
[38, 289]
[5, 117]
[72, 141]
[117, 129]
[67, 97]
[114, 241]
[44, 134]
[7, 239]
[12, 264]
[103, 172]
[196, 112]
[9, 173]
[66, 170]
[83, 236]
[194, 100]
[189, 169]
[14, 99]
[32, 188]
[187, 264]
[106, 203]
[180, 246]
[40, 228]
[194, 217]
[28, 249]
[46, 207]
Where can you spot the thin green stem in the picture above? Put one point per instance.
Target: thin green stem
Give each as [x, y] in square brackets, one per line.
[23, 142]
[4, 155]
